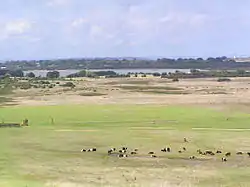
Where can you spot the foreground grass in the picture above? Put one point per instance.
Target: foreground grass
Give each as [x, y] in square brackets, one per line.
[43, 155]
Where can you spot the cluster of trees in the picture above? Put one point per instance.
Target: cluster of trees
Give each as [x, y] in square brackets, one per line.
[85, 73]
[14, 73]
[128, 63]
[20, 73]
[194, 73]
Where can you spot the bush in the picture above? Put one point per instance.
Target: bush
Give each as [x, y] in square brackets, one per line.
[175, 80]
[224, 80]
[31, 75]
[45, 82]
[164, 76]
[156, 74]
[25, 86]
[68, 84]
[53, 74]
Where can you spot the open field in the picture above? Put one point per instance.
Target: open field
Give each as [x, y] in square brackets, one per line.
[207, 92]
[120, 113]
[47, 154]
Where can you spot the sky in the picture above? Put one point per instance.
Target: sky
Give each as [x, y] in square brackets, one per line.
[49, 29]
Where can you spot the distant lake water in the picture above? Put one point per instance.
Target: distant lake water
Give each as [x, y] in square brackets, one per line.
[64, 73]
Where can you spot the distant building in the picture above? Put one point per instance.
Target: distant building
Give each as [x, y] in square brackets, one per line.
[240, 59]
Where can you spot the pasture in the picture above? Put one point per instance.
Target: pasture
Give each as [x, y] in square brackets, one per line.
[47, 153]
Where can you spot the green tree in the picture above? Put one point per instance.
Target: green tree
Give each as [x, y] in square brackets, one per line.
[53, 74]
[16, 73]
[31, 75]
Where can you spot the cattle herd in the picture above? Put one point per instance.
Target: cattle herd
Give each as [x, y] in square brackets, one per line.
[124, 152]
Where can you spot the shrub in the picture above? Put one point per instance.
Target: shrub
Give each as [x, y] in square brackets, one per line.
[68, 84]
[156, 74]
[51, 86]
[175, 80]
[53, 74]
[31, 75]
[25, 86]
[45, 82]
[224, 80]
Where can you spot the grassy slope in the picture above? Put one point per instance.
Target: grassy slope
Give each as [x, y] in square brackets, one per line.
[39, 154]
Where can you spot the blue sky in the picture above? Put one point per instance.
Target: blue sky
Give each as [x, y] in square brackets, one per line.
[42, 29]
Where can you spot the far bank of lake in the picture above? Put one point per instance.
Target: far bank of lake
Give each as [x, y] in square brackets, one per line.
[64, 73]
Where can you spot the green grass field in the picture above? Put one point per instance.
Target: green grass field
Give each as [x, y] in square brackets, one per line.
[47, 153]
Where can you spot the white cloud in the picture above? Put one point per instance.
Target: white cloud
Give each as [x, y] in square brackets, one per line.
[53, 3]
[17, 27]
[79, 22]
[96, 30]
[119, 42]
[178, 19]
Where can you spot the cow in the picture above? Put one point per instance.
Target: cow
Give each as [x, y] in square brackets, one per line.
[239, 153]
[224, 159]
[192, 157]
[164, 150]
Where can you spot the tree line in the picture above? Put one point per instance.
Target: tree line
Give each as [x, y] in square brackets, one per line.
[194, 73]
[128, 63]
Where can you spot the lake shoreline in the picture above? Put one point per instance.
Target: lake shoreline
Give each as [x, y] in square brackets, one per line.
[67, 72]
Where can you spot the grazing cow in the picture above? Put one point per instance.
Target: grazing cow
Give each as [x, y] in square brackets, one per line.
[184, 149]
[120, 155]
[239, 153]
[185, 140]
[199, 151]
[179, 151]
[209, 153]
[133, 153]
[125, 155]
[124, 148]
[83, 150]
[164, 150]
[248, 153]
[153, 156]
[135, 149]
[224, 159]
[168, 149]
[192, 157]
[218, 152]
[122, 151]
[151, 153]
[111, 150]
[92, 150]
[228, 154]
